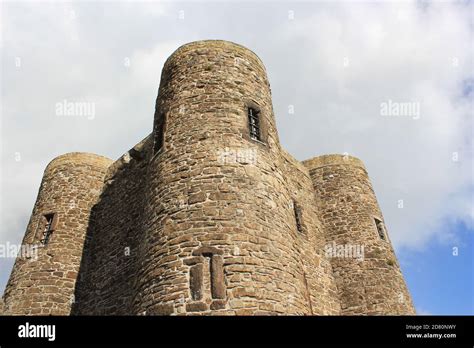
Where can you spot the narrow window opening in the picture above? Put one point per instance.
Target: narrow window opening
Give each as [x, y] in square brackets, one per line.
[48, 228]
[298, 217]
[254, 123]
[159, 133]
[380, 228]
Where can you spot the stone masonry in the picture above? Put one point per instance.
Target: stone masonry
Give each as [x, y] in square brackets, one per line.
[203, 217]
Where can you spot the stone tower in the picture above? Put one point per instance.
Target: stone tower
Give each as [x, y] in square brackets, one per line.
[43, 283]
[351, 216]
[208, 214]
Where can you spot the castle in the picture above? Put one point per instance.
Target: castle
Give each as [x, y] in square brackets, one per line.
[207, 215]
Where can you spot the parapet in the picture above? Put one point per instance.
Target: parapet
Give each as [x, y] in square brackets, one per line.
[334, 159]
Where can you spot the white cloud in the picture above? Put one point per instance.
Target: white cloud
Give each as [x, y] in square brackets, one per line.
[406, 58]
[146, 65]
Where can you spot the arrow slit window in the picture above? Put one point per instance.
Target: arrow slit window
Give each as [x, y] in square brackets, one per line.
[380, 228]
[159, 132]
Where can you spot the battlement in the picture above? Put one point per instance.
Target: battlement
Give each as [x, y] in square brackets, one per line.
[207, 214]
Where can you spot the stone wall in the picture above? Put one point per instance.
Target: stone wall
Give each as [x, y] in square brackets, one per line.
[109, 267]
[43, 281]
[309, 244]
[349, 210]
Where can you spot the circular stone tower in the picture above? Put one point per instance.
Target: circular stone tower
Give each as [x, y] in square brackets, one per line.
[216, 224]
[43, 278]
[367, 273]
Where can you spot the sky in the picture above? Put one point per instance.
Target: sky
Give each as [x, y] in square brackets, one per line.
[391, 83]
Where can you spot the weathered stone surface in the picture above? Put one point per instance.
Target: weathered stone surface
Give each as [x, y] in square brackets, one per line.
[217, 277]
[218, 304]
[196, 307]
[207, 250]
[161, 309]
[196, 281]
[199, 218]
[193, 260]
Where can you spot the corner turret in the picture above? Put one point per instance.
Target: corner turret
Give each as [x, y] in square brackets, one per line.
[42, 282]
[367, 273]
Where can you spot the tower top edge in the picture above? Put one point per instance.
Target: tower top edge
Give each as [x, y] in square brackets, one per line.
[333, 159]
[80, 158]
[204, 44]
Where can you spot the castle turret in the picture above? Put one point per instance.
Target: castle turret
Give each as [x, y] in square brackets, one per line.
[217, 236]
[365, 266]
[43, 278]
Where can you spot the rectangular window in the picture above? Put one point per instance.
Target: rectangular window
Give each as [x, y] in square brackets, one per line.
[49, 225]
[298, 216]
[380, 228]
[254, 123]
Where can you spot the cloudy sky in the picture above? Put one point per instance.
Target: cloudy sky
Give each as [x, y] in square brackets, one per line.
[334, 67]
